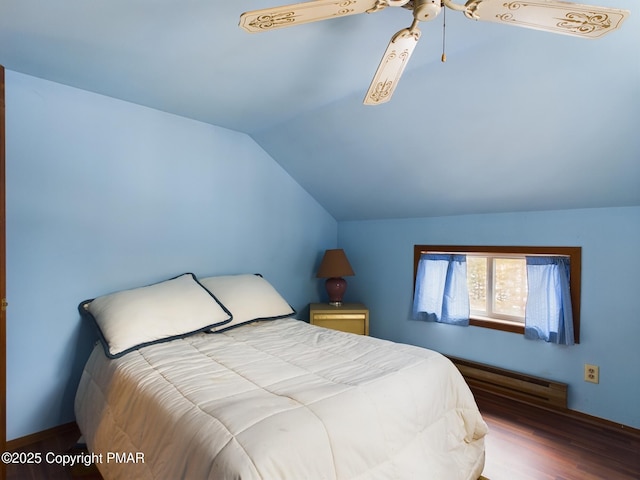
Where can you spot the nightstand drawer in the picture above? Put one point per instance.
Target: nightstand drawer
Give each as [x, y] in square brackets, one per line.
[351, 325]
[349, 317]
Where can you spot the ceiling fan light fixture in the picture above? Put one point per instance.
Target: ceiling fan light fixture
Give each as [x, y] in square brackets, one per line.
[555, 16]
[426, 10]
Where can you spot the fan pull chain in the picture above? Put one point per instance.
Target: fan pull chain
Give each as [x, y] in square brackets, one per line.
[444, 26]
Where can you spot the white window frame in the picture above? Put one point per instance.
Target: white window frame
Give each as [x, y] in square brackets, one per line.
[489, 313]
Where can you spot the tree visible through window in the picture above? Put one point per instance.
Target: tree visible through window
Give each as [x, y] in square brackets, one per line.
[497, 286]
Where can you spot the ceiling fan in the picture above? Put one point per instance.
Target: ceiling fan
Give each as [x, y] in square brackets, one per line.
[549, 15]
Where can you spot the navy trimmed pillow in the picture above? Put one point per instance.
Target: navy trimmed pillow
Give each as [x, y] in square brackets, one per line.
[249, 297]
[176, 308]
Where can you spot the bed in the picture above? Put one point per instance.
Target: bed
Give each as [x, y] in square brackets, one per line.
[258, 394]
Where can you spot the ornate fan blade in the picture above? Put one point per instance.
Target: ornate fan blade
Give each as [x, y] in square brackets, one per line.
[307, 12]
[391, 66]
[549, 15]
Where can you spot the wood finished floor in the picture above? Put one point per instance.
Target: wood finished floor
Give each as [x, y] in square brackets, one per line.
[527, 443]
[523, 444]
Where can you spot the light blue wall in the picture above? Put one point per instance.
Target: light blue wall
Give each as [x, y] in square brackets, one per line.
[381, 253]
[104, 195]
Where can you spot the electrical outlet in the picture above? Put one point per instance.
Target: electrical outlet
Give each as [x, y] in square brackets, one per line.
[591, 373]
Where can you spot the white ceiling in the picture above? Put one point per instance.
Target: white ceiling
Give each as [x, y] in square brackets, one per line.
[514, 120]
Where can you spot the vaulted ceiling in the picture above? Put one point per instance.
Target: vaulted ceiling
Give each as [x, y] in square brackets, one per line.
[515, 120]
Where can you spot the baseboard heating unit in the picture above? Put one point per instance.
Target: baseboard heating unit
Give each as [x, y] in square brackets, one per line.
[513, 385]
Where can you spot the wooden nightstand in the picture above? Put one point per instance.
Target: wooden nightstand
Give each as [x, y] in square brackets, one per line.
[348, 317]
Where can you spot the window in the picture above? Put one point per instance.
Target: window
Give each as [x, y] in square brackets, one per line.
[497, 286]
[497, 282]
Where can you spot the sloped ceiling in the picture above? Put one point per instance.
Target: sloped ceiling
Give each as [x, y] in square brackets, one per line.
[514, 120]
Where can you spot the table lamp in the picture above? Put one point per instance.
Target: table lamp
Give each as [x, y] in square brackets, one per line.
[333, 267]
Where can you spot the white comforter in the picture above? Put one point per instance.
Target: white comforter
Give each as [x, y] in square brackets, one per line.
[280, 400]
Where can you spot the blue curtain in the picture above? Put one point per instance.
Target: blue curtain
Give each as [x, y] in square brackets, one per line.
[548, 315]
[441, 293]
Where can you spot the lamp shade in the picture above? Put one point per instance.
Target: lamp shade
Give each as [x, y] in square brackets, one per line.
[334, 264]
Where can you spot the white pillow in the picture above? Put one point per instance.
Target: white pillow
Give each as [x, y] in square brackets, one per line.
[248, 297]
[175, 308]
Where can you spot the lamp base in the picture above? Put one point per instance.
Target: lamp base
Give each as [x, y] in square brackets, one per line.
[336, 286]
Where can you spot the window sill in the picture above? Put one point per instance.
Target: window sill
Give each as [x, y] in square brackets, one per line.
[495, 324]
